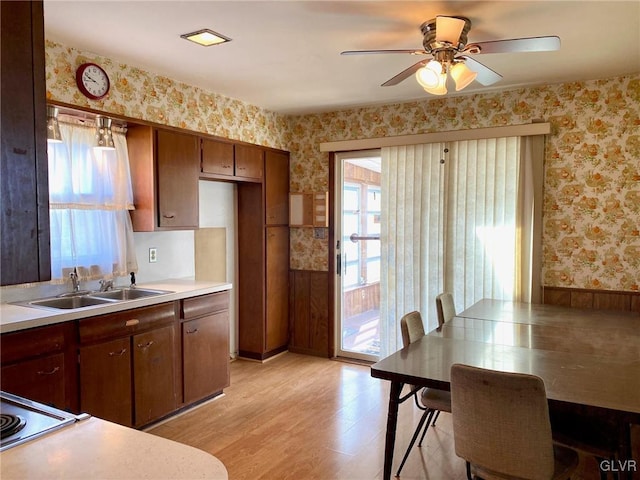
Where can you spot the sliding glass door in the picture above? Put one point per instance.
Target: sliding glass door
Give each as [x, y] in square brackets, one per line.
[358, 202]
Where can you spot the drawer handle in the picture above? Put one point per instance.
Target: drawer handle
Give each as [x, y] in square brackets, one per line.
[168, 216]
[54, 370]
[195, 330]
[132, 322]
[145, 345]
[118, 354]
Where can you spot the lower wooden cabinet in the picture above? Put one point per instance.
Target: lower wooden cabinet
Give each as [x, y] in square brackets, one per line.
[205, 346]
[40, 364]
[127, 365]
[105, 380]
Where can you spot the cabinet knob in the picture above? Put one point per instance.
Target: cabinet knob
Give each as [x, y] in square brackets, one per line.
[168, 216]
[145, 345]
[132, 322]
[50, 372]
[195, 330]
[118, 354]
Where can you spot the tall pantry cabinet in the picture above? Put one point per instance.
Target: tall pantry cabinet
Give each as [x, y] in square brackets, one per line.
[263, 260]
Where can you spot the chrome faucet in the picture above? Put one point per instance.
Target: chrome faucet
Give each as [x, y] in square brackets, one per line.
[106, 285]
[75, 283]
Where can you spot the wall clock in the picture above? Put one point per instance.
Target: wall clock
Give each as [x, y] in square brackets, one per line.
[92, 81]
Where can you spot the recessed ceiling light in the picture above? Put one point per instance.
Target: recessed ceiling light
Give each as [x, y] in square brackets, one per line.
[205, 37]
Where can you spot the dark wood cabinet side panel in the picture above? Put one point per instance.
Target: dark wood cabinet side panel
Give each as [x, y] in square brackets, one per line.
[251, 268]
[24, 170]
[143, 174]
[277, 280]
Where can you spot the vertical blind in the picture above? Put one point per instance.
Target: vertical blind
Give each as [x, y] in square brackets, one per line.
[456, 217]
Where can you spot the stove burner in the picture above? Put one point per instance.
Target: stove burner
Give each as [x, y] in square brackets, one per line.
[10, 424]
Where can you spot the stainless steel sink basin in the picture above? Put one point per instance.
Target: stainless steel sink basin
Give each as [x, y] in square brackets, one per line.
[68, 303]
[74, 300]
[128, 293]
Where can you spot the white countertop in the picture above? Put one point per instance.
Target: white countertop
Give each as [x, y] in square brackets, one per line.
[17, 317]
[97, 449]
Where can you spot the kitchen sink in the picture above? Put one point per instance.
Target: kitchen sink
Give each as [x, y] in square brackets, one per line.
[74, 300]
[128, 293]
[68, 303]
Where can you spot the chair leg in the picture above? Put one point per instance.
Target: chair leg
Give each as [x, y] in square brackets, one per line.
[427, 413]
[434, 420]
[469, 477]
[429, 422]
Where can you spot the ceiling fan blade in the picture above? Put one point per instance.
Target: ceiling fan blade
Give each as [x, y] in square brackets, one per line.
[368, 52]
[403, 75]
[532, 44]
[486, 76]
[448, 29]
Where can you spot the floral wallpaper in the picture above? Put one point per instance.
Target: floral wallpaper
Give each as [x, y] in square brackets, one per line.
[591, 236]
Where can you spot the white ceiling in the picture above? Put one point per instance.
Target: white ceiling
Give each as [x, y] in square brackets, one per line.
[285, 55]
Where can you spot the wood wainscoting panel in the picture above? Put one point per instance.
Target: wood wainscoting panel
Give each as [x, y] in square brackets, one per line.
[592, 299]
[309, 312]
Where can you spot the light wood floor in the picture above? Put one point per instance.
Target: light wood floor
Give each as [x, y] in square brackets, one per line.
[302, 417]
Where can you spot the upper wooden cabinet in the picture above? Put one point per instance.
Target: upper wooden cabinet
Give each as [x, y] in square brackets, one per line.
[232, 162]
[165, 166]
[276, 186]
[23, 177]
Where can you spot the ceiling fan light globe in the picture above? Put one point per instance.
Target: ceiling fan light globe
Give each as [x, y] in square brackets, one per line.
[427, 78]
[441, 88]
[462, 75]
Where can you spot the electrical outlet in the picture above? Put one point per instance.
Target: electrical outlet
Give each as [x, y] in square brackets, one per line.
[153, 255]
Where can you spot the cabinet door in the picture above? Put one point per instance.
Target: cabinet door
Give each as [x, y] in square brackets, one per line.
[277, 188]
[277, 294]
[178, 164]
[205, 350]
[217, 157]
[153, 375]
[41, 379]
[249, 161]
[24, 187]
[105, 380]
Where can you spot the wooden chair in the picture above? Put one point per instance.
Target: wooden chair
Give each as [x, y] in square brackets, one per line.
[501, 426]
[430, 400]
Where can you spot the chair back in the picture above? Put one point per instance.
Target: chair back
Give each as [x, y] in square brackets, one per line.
[445, 308]
[411, 327]
[501, 423]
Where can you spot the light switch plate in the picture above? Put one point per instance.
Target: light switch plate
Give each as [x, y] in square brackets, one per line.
[153, 255]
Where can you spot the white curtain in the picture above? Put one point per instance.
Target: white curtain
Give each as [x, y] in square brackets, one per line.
[457, 217]
[411, 237]
[90, 195]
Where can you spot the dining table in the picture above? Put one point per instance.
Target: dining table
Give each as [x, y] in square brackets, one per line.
[589, 360]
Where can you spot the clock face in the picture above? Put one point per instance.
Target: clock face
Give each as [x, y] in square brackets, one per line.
[92, 80]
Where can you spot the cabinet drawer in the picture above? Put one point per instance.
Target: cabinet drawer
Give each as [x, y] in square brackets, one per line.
[125, 323]
[41, 380]
[31, 343]
[204, 305]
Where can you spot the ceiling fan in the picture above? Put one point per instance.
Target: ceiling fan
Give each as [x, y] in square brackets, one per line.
[445, 39]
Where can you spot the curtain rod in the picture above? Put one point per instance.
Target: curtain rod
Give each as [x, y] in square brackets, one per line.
[525, 130]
